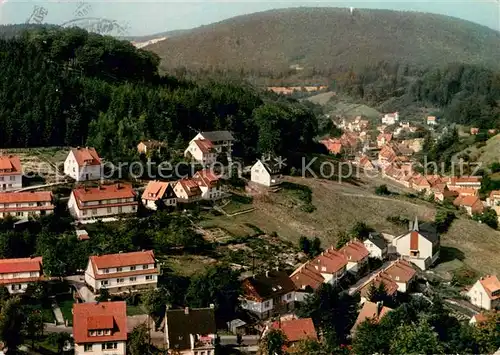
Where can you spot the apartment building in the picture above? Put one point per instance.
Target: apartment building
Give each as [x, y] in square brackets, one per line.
[103, 201]
[17, 274]
[123, 272]
[26, 204]
[100, 328]
[11, 173]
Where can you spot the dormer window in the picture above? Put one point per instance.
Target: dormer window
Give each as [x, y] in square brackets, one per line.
[274, 288]
[397, 278]
[323, 268]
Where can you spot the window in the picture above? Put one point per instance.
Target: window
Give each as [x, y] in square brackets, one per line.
[132, 268]
[94, 211]
[118, 269]
[119, 209]
[16, 287]
[145, 267]
[109, 209]
[100, 332]
[119, 281]
[266, 304]
[87, 347]
[12, 178]
[289, 296]
[106, 271]
[84, 212]
[104, 283]
[33, 274]
[149, 277]
[132, 279]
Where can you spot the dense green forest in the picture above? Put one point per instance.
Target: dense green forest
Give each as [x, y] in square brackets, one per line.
[69, 87]
[464, 94]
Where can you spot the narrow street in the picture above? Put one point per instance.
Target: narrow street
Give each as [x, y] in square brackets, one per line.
[364, 279]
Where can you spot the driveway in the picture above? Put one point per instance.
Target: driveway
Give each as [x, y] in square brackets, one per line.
[78, 282]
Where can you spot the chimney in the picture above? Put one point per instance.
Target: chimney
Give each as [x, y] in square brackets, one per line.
[186, 310]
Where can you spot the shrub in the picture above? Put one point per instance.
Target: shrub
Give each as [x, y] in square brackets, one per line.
[382, 190]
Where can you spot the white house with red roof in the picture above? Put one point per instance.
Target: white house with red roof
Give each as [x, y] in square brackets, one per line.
[356, 254]
[17, 274]
[209, 184]
[370, 311]
[92, 203]
[11, 173]
[100, 328]
[202, 151]
[123, 272]
[328, 267]
[390, 118]
[485, 293]
[431, 120]
[26, 204]
[83, 164]
[493, 199]
[420, 244]
[156, 191]
[187, 190]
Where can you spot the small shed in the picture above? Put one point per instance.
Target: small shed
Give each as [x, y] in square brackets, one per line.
[82, 234]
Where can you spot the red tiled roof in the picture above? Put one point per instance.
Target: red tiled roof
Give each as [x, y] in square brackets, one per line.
[333, 146]
[297, 329]
[86, 156]
[25, 197]
[331, 260]
[491, 285]
[123, 259]
[400, 271]
[156, 188]
[205, 145]
[100, 322]
[10, 266]
[371, 310]
[99, 314]
[391, 286]
[470, 201]
[206, 177]
[10, 165]
[385, 136]
[307, 276]
[431, 118]
[354, 251]
[103, 192]
[190, 186]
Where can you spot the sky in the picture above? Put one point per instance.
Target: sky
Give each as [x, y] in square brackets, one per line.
[147, 17]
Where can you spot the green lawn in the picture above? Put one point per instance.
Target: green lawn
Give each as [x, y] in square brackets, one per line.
[135, 310]
[66, 305]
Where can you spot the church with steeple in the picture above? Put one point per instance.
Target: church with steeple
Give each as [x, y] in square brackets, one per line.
[420, 245]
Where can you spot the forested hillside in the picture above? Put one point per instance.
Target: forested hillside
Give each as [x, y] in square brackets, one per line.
[329, 40]
[69, 87]
[464, 94]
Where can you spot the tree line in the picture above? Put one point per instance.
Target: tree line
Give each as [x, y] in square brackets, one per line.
[65, 87]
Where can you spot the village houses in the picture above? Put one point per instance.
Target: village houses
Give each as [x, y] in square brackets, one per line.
[431, 120]
[383, 139]
[209, 184]
[390, 118]
[420, 244]
[123, 272]
[485, 293]
[11, 173]
[100, 328]
[222, 141]
[190, 331]
[201, 151]
[159, 192]
[328, 267]
[390, 287]
[22, 205]
[103, 201]
[265, 173]
[17, 274]
[376, 246]
[370, 311]
[83, 164]
[267, 294]
[356, 255]
[295, 330]
[471, 204]
[147, 147]
[493, 199]
[187, 190]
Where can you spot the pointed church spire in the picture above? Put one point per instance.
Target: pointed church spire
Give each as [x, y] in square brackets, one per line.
[415, 225]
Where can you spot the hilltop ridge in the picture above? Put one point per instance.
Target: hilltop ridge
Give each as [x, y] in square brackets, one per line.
[325, 39]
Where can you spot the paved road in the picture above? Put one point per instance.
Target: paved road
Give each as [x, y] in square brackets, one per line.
[78, 282]
[57, 313]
